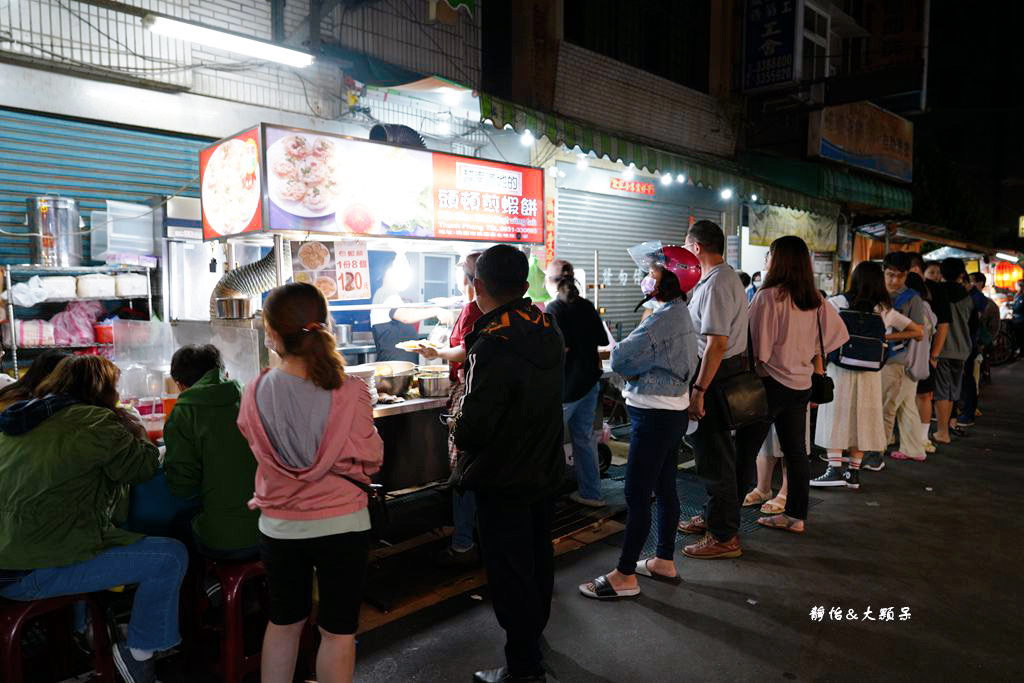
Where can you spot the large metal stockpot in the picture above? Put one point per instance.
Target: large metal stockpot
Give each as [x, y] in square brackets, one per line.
[55, 227]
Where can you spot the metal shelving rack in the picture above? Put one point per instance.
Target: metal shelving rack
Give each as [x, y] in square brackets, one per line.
[11, 272]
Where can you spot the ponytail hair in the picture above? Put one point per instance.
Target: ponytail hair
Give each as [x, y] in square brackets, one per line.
[297, 312]
[564, 276]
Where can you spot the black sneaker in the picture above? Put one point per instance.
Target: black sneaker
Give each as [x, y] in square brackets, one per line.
[852, 479]
[833, 477]
[873, 461]
[132, 670]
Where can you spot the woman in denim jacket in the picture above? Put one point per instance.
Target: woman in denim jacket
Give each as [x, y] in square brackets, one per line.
[657, 359]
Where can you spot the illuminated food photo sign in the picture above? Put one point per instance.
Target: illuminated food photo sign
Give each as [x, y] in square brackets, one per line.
[319, 183]
[231, 189]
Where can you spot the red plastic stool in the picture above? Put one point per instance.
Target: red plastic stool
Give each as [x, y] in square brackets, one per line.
[14, 615]
[234, 663]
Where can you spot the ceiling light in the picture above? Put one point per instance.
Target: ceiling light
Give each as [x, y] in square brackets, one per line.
[451, 98]
[582, 163]
[681, 178]
[628, 173]
[666, 178]
[1006, 257]
[526, 138]
[753, 197]
[444, 128]
[226, 40]
[726, 194]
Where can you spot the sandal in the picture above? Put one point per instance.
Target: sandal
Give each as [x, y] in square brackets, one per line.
[775, 506]
[780, 522]
[601, 589]
[756, 497]
[643, 570]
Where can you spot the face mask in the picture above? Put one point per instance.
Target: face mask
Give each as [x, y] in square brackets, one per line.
[648, 285]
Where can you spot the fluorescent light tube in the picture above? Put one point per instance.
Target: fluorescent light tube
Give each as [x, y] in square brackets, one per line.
[226, 40]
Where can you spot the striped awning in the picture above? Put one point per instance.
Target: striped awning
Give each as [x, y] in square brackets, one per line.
[710, 173]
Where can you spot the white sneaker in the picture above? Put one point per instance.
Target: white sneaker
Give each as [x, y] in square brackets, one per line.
[588, 502]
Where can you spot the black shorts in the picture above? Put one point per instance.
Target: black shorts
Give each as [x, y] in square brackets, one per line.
[340, 563]
[927, 385]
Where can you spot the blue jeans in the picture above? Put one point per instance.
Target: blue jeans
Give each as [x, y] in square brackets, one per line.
[580, 417]
[156, 564]
[653, 458]
[464, 512]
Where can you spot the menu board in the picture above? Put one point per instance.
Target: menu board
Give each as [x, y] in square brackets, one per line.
[324, 183]
[230, 187]
[341, 270]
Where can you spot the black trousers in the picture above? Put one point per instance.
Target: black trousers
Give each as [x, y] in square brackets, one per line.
[789, 415]
[715, 453]
[516, 542]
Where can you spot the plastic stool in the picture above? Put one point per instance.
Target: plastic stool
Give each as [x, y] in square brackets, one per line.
[234, 663]
[15, 614]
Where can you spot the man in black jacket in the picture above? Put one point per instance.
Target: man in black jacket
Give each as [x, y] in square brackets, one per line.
[508, 430]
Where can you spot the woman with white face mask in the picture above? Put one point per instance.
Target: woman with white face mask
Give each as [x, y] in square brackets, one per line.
[658, 360]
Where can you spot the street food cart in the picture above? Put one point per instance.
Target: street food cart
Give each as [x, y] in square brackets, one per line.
[378, 229]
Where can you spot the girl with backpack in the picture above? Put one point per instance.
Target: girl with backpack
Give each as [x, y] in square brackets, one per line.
[853, 421]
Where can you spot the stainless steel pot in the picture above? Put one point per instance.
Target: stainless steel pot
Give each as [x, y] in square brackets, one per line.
[230, 308]
[343, 333]
[392, 377]
[434, 385]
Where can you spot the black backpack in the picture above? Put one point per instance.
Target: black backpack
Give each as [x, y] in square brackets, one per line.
[865, 351]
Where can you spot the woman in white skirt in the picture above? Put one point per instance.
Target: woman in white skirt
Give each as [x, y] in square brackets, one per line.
[853, 421]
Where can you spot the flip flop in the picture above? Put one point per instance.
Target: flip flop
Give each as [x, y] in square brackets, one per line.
[643, 570]
[603, 590]
[787, 525]
[775, 506]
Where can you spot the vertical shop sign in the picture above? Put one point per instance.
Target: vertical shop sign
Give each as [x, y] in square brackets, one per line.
[549, 236]
[770, 43]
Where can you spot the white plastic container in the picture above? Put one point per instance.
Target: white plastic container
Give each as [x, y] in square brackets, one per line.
[130, 284]
[60, 287]
[96, 286]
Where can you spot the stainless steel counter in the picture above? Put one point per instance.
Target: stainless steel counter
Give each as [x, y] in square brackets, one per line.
[412, 405]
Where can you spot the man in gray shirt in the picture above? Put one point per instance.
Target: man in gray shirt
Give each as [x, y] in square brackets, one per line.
[718, 307]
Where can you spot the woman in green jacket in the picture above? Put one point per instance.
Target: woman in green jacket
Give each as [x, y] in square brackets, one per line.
[63, 458]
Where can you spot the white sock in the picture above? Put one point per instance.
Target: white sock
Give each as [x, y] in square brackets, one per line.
[141, 655]
[924, 431]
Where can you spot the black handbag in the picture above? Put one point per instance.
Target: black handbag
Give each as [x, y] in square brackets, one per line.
[376, 504]
[742, 397]
[823, 389]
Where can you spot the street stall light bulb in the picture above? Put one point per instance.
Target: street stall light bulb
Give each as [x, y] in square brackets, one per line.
[666, 179]
[1007, 257]
[681, 178]
[753, 197]
[726, 194]
[628, 173]
[226, 40]
[583, 163]
[526, 138]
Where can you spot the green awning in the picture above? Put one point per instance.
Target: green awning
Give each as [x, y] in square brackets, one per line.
[710, 173]
[470, 5]
[831, 183]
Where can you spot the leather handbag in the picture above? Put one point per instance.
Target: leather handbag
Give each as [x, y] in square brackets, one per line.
[742, 396]
[823, 389]
[376, 504]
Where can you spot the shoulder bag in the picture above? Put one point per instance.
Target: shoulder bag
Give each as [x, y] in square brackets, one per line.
[823, 389]
[743, 398]
[376, 503]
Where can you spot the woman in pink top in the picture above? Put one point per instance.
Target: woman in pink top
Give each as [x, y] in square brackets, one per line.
[311, 430]
[785, 317]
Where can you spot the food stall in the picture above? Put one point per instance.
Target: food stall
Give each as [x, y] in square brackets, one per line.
[379, 229]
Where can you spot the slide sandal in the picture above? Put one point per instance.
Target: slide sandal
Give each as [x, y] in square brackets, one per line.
[601, 589]
[643, 570]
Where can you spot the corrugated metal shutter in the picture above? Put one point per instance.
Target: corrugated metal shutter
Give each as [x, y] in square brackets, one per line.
[587, 222]
[89, 162]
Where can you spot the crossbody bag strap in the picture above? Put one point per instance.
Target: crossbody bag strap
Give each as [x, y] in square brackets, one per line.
[369, 489]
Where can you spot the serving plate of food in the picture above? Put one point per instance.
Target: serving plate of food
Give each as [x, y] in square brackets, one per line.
[416, 344]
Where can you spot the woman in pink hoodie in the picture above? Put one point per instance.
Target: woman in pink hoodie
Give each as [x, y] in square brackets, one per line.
[311, 430]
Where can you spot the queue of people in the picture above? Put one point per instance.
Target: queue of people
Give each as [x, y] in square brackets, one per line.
[280, 469]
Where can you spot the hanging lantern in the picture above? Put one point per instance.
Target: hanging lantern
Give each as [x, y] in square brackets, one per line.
[1008, 275]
